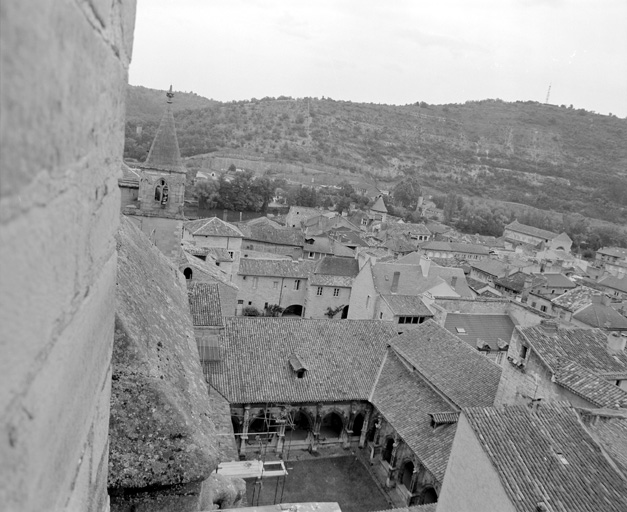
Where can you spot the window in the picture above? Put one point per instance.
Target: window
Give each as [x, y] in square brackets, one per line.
[297, 284]
[523, 352]
[240, 302]
[275, 285]
[460, 330]
[381, 315]
[336, 292]
[543, 308]
[368, 301]
[255, 282]
[533, 304]
[250, 303]
[265, 306]
[311, 255]
[319, 291]
[230, 254]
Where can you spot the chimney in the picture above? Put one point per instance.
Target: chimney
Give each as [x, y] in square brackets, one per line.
[425, 265]
[454, 281]
[616, 343]
[395, 279]
[606, 300]
[550, 327]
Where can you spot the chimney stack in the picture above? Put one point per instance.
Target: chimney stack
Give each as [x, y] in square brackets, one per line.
[425, 265]
[454, 281]
[615, 343]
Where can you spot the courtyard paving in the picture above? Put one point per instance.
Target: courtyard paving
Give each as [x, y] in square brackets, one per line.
[341, 479]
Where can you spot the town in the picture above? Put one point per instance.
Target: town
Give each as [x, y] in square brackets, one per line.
[190, 333]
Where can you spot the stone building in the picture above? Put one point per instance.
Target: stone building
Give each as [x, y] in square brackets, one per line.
[516, 459]
[214, 233]
[329, 287]
[518, 233]
[311, 384]
[62, 88]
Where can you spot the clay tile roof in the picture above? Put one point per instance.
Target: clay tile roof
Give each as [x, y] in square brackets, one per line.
[276, 268]
[342, 358]
[407, 412]
[130, 177]
[604, 317]
[263, 232]
[407, 227]
[164, 152]
[615, 283]
[489, 266]
[531, 231]
[407, 305]
[336, 266]
[325, 280]
[575, 299]
[444, 417]
[448, 274]
[617, 252]
[587, 347]
[204, 304]
[379, 205]
[212, 227]
[455, 247]
[487, 328]
[611, 433]
[207, 269]
[296, 363]
[547, 456]
[556, 280]
[590, 386]
[458, 370]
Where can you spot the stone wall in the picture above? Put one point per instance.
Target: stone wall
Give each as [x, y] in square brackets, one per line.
[63, 83]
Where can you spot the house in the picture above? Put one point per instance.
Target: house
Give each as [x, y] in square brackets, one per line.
[517, 459]
[266, 282]
[265, 235]
[489, 334]
[329, 287]
[415, 232]
[614, 286]
[470, 252]
[518, 233]
[311, 384]
[547, 363]
[378, 211]
[404, 311]
[612, 259]
[488, 270]
[517, 284]
[217, 234]
[585, 306]
[298, 214]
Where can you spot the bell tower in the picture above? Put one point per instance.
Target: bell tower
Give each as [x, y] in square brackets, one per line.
[163, 175]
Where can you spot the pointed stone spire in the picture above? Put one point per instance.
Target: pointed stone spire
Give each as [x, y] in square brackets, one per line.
[164, 153]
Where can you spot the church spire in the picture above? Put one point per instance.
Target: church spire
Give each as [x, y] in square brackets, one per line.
[164, 153]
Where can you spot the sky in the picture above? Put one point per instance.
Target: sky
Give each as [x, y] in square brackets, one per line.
[387, 51]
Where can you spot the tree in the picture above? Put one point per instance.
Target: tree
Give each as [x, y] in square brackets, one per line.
[208, 193]
[274, 310]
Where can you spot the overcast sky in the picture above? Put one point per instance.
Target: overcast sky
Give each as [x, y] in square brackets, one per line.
[387, 51]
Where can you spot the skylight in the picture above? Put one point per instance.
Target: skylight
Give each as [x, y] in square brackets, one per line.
[460, 330]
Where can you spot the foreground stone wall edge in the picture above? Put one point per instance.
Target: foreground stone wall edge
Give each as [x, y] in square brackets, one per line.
[64, 73]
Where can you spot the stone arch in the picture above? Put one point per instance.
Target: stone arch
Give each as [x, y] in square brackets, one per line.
[162, 191]
[293, 310]
[388, 447]
[429, 496]
[358, 423]
[261, 425]
[302, 423]
[332, 425]
[187, 272]
[407, 473]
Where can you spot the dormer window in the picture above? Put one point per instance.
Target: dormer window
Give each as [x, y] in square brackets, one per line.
[297, 366]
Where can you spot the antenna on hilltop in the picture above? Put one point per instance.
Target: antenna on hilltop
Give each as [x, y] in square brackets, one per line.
[548, 93]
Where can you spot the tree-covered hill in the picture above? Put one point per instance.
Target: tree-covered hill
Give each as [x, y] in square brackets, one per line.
[550, 157]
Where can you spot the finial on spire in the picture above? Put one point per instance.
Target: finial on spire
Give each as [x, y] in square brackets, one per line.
[170, 95]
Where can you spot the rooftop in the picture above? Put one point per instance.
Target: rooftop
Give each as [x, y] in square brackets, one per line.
[576, 299]
[614, 283]
[407, 305]
[531, 231]
[601, 316]
[407, 412]
[407, 228]
[456, 247]
[556, 280]
[212, 227]
[266, 232]
[335, 266]
[204, 304]
[494, 330]
[458, 370]
[617, 252]
[342, 358]
[492, 267]
[546, 456]
[276, 268]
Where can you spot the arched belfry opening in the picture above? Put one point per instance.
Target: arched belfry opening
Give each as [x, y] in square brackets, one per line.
[162, 192]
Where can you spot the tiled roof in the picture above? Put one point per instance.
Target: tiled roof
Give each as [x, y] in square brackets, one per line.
[547, 456]
[458, 370]
[604, 317]
[615, 283]
[399, 243]
[407, 227]
[351, 238]
[413, 258]
[212, 227]
[437, 227]
[455, 247]
[410, 282]
[204, 304]
[516, 281]
[447, 274]
[213, 272]
[326, 280]
[444, 417]
[530, 230]
[325, 245]
[335, 266]
[587, 347]
[611, 433]
[130, 177]
[590, 386]
[617, 252]
[276, 268]
[379, 205]
[216, 253]
[342, 358]
[407, 411]
[555, 280]
[407, 305]
[270, 234]
[489, 266]
[487, 328]
[575, 299]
